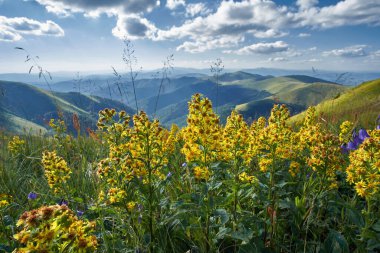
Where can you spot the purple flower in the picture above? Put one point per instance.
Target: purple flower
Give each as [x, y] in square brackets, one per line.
[378, 127]
[184, 164]
[356, 139]
[32, 195]
[363, 134]
[80, 213]
[63, 202]
[169, 175]
[344, 148]
[351, 146]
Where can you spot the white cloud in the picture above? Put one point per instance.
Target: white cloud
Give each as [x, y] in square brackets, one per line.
[197, 9]
[348, 52]
[306, 4]
[203, 45]
[277, 59]
[12, 29]
[261, 48]
[313, 49]
[304, 35]
[347, 12]
[231, 18]
[174, 4]
[377, 53]
[271, 33]
[66, 7]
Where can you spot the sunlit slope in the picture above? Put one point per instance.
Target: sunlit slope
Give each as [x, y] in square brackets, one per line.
[297, 92]
[360, 104]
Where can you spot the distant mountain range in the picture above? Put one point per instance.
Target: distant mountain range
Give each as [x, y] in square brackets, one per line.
[26, 106]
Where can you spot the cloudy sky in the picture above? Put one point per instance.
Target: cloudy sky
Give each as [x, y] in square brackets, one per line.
[87, 35]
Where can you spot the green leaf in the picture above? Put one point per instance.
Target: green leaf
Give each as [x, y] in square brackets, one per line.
[224, 216]
[336, 242]
[242, 234]
[376, 226]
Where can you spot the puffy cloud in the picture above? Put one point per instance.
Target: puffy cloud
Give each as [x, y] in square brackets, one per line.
[12, 29]
[174, 4]
[134, 27]
[304, 35]
[271, 33]
[197, 9]
[306, 4]
[262, 48]
[348, 52]
[66, 7]
[203, 45]
[347, 12]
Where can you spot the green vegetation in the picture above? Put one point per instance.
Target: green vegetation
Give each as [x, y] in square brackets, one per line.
[206, 187]
[360, 104]
[27, 108]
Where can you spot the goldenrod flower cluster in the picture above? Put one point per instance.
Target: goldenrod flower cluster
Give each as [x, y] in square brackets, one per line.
[318, 149]
[346, 129]
[16, 145]
[58, 125]
[55, 229]
[273, 141]
[235, 139]
[202, 135]
[245, 178]
[4, 203]
[114, 126]
[56, 171]
[140, 152]
[364, 168]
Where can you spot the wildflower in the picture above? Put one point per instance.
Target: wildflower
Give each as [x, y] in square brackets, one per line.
[351, 145]
[63, 202]
[56, 171]
[16, 145]
[363, 134]
[32, 195]
[201, 173]
[3, 203]
[51, 228]
[131, 205]
[345, 129]
[169, 175]
[80, 213]
[245, 178]
[184, 165]
[363, 170]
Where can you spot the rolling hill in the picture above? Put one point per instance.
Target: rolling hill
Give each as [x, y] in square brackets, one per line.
[251, 94]
[24, 107]
[360, 104]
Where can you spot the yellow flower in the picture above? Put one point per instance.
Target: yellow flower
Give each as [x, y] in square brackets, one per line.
[245, 178]
[3, 203]
[363, 170]
[201, 173]
[50, 228]
[56, 171]
[345, 131]
[16, 145]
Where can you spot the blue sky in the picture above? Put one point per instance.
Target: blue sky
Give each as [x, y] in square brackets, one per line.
[86, 35]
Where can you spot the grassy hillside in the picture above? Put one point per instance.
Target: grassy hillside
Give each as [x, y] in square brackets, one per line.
[297, 92]
[26, 107]
[360, 104]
